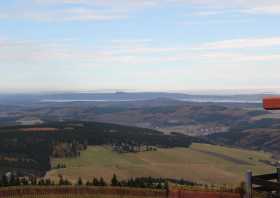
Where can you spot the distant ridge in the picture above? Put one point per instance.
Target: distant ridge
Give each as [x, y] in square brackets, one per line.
[120, 96]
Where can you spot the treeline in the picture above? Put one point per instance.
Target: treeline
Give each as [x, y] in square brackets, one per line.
[132, 147]
[143, 182]
[260, 134]
[63, 149]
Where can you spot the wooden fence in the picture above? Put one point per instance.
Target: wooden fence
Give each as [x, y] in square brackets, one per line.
[173, 192]
[268, 183]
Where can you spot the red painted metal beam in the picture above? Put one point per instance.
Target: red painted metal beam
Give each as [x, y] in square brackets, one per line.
[271, 103]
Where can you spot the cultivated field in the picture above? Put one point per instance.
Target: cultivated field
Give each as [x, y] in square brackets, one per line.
[199, 163]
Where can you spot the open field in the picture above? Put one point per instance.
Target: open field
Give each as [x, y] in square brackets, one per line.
[193, 130]
[199, 163]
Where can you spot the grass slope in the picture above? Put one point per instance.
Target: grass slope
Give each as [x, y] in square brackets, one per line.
[200, 163]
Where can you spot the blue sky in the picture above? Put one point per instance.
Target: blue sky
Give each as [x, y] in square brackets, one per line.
[151, 45]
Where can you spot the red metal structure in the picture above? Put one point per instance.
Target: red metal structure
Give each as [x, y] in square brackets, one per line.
[271, 103]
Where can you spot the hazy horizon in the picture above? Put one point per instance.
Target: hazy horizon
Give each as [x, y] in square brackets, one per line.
[191, 92]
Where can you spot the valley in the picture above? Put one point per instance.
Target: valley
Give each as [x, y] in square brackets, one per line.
[161, 137]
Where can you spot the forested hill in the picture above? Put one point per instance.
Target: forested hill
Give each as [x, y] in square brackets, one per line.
[28, 149]
[261, 134]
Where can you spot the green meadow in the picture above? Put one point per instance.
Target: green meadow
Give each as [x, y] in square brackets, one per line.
[200, 163]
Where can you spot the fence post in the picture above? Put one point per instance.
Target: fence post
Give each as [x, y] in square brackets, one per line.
[278, 178]
[278, 174]
[248, 180]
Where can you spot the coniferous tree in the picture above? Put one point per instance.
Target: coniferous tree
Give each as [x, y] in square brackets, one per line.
[114, 181]
[5, 181]
[67, 182]
[12, 180]
[33, 181]
[61, 181]
[80, 182]
[17, 181]
[41, 182]
[159, 186]
[95, 182]
[47, 182]
[102, 182]
[166, 185]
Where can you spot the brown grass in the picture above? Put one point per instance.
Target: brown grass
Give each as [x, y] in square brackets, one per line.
[39, 129]
[197, 163]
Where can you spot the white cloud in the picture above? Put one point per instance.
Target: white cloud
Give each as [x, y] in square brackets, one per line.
[209, 12]
[140, 59]
[271, 9]
[102, 10]
[80, 14]
[141, 52]
[130, 3]
[229, 4]
[65, 14]
[239, 57]
[87, 10]
[218, 7]
[243, 43]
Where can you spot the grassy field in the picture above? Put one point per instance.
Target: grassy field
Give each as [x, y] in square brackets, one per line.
[199, 163]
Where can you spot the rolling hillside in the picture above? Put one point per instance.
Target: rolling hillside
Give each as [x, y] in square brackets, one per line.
[199, 163]
[27, 149]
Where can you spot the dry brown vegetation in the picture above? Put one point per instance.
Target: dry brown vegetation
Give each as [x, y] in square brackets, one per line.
[221, 165]
[39, 129]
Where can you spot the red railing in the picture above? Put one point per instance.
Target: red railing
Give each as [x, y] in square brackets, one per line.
[183, 193]
[114, 191]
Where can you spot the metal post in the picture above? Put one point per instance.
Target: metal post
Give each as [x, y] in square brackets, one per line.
[278, 174]
[278, 178]
[248, 180]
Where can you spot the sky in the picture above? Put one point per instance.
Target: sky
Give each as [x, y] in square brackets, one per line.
[142, 45]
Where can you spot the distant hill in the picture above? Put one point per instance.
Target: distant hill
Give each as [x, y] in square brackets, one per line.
[262, 134]
[124, 96]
